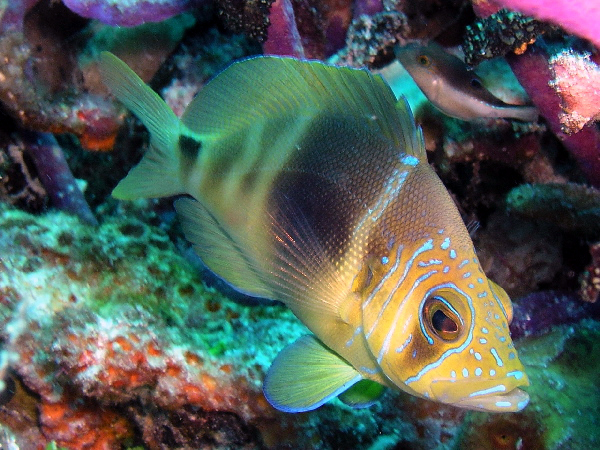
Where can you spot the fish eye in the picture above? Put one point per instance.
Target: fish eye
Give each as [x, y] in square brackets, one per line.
[476, 83]
[442, 319]
[424, 60]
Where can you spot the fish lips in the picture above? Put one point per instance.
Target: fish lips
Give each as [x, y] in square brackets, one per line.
[498, 395]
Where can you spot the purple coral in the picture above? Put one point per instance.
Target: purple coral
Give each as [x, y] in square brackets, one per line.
[56, 176]
[129, 14]
[533, 70]
[537, 313]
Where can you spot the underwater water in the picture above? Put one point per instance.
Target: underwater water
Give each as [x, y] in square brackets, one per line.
[129, 323]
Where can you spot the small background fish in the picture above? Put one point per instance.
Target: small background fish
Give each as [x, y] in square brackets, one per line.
[309, 184]
[455, 89]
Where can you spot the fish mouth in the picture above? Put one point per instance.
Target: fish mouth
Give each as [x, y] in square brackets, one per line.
[491, 396]
[512, 401]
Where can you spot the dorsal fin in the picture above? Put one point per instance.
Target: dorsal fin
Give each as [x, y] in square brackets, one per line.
[273, 87]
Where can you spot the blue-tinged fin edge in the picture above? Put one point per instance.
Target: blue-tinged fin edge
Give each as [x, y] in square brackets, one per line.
[305, 375]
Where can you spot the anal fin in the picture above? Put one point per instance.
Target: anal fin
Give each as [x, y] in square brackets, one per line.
[305, 375]
[220, 250]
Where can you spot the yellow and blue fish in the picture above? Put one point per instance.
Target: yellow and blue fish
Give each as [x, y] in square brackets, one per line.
[309, 184]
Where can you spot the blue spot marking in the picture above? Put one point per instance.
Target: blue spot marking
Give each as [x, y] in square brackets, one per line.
[492, 372]
[409, 160]
[385, 260]
[484, 330]
[511, 355]
[480, 280]
[478, 371]
[477, 356]
[414, 353]
[502, 339]
[503, 404]
[446, 269]
[465, 372]
[463, 263]
[492, 390]
[453, 374]
[496, 316]
[482, 294]
[496, 357]
[522, 404]
[515, 373]
[452, 254]
[471, 286]
[445, 244]
[466, 274]
[441, 231]
[482, 340]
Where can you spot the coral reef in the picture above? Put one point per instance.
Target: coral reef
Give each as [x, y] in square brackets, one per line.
[589, 289]
[578, 17]
[533, 71]
[576, 80]
[128, 14]
[498, 34]
[113, 336]
[572, 207]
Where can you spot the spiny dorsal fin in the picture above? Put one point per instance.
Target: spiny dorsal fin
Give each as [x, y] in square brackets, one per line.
[273, 87]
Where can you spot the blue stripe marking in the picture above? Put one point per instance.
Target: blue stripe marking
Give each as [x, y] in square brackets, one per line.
[492, 390]
[428, 245]
[496, 357]
[384, 278]
[463, 263]
[449, 352]
[388, 337]
[403, 346]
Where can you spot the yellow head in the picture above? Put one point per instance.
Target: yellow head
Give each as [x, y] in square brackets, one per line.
[437, 327]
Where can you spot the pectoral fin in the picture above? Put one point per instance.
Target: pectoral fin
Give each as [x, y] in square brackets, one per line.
[305, 375]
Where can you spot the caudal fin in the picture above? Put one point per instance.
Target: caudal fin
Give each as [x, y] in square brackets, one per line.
[157, 174]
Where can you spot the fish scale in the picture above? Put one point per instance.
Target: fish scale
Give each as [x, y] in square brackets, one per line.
[309, 184]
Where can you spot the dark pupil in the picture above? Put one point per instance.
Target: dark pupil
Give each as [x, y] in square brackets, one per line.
[442, 323]
[423, 60]
[475, 83]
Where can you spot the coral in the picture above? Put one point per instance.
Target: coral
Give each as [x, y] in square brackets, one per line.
[371, 39]
[307, 28]
[579, 17]
[20, 184]
[283, 37]
[53, 170]
[589, 289]
[572, 207]
[498, 34]
[539, 312]
[518, 255]
[128, 14]
[533, 70]
[576, 81]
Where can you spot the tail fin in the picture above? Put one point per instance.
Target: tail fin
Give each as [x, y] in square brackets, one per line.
[157, 174]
